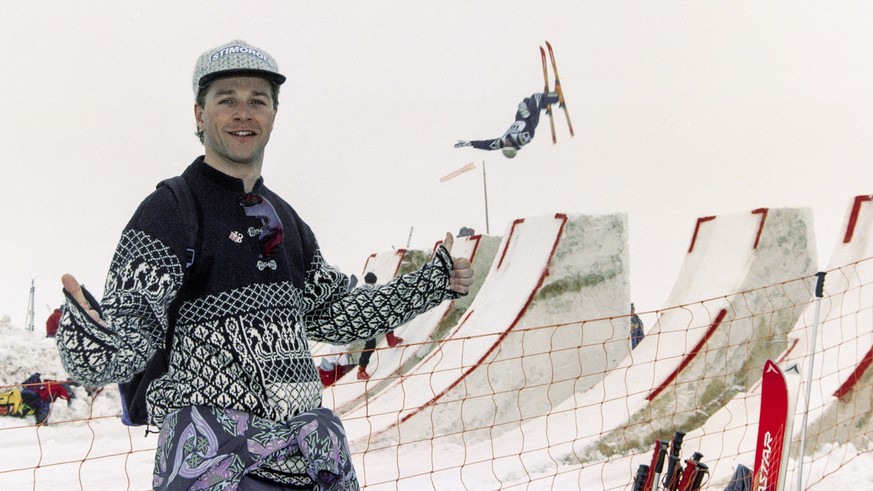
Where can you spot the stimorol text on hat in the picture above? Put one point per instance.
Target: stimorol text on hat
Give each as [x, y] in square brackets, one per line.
[235, 58]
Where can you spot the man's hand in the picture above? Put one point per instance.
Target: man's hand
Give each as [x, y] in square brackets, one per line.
[462, 143]
[462, 269]
[75, 290]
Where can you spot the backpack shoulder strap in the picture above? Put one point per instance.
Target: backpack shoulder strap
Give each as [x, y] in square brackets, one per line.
[191, 222]
[183, 195]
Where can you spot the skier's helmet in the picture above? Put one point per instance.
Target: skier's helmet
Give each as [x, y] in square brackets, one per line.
[509, 152]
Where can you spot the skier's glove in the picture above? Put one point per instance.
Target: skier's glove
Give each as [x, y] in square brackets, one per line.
[462, 143]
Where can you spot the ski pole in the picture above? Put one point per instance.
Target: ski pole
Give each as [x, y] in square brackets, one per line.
[659, 465]
[640, 479]
[702, 471]
[651, 482]
[819, 292]
[674, 463]
[693, 474]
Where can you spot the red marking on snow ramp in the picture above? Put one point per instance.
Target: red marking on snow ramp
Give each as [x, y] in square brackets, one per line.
[763, 212]
[853, 217]
[367, 263]
[696, 229]
[690, 356]
[853, 379]
[476, 238]
[512, 234]
[521, 312]
[400, 253]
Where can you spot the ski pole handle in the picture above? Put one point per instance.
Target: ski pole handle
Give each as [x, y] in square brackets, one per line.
[702, 471]
[659, 466]
[640, 479]
[819, 284]
[678, 436]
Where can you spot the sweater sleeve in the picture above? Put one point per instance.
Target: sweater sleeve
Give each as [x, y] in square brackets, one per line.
[144, 277]
[338, 316]
[487, 144]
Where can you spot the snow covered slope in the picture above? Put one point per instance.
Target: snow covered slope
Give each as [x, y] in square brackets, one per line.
[843, 352]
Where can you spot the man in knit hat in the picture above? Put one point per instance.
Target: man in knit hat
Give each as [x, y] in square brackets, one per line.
[239, 406]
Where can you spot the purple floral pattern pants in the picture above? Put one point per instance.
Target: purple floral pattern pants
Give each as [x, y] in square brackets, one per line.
[204, 448]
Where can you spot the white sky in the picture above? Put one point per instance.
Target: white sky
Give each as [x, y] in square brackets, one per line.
[681, 109]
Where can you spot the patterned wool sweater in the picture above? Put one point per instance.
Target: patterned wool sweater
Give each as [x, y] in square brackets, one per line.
[240, 341]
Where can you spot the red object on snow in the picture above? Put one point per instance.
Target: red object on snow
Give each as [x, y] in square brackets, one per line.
[51, 324]
[329, 377]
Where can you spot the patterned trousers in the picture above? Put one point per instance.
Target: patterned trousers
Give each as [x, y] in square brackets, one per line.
[204, 448]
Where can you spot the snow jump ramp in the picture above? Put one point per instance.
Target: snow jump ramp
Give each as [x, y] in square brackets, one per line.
[689, 360]
[477, 379]
[843, 355]
[419, 335]
[840, 394]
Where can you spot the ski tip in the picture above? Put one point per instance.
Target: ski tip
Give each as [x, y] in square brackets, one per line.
[549, 45]
[771, 366]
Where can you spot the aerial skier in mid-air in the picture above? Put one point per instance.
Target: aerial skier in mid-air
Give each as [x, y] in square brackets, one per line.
[522, 130]
[527, 117]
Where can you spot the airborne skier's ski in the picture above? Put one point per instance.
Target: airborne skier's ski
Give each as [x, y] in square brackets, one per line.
[561, 103]
[778, 401]
[546, 91]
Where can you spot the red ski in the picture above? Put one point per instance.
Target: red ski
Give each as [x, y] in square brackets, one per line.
[778, 402]
[546, 91]
[561, 102]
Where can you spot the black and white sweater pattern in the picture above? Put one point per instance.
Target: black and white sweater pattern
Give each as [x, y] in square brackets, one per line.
[241, 336]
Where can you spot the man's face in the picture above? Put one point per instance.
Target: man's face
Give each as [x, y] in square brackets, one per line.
[236, 120]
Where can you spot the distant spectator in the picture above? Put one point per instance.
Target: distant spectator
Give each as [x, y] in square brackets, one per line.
[51, 324]
[636, 332]
[34, 398]
[333, 366]
[11, 404]
[466, 232]
[742, 480]
[335, 363]
[370, 280]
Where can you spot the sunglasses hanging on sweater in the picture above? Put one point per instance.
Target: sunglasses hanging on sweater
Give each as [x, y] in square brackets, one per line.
[271, 226]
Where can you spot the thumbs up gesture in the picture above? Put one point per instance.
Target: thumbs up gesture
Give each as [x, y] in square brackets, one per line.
[462, 269]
